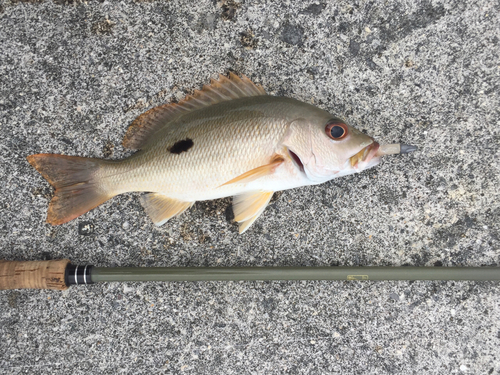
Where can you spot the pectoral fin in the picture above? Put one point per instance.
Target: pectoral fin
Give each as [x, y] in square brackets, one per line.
[161, 208]
[247, 207]
[258, 172]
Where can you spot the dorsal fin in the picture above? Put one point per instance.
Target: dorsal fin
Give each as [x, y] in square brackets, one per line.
[147, 124]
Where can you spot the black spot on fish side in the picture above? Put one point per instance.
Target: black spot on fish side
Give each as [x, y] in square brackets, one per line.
[181, 146]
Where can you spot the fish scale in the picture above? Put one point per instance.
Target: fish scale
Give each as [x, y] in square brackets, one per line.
[221, 145]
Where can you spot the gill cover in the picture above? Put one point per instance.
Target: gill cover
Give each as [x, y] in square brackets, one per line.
[321, 154]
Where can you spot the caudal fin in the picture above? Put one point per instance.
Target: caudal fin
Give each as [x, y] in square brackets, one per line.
[74, 178]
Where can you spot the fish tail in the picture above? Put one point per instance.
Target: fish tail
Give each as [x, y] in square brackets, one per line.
[76, 182]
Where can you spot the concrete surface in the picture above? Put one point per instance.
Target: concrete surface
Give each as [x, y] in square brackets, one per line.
[73, 75]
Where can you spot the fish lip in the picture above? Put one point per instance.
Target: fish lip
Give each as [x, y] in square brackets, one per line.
[371, 150]
[365, 154]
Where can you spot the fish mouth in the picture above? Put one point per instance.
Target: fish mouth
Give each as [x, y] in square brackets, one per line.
[365, 155]
[296, 160]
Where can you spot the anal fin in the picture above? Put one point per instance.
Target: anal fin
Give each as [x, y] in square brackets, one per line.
[161, 208]
[249, 206]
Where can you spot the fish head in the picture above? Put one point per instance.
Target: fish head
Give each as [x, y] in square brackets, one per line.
[323, 147]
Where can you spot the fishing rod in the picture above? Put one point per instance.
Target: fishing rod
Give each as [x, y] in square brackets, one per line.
[60, 274]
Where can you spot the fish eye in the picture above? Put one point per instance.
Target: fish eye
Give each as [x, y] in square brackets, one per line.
[336, 130]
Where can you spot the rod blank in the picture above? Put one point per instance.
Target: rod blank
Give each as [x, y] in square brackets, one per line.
[99, 274]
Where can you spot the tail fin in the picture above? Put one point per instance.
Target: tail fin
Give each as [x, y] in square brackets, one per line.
[77, 190]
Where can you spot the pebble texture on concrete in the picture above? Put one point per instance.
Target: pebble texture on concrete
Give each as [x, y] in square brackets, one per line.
[73, 75]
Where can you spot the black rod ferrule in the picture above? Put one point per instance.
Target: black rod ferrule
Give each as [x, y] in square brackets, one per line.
[76, 275]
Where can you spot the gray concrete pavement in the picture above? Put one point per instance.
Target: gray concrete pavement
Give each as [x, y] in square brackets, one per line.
[73, 75]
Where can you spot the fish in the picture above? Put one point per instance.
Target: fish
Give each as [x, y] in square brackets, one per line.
[228, 139]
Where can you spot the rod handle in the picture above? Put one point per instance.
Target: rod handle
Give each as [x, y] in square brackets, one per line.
[46, 274]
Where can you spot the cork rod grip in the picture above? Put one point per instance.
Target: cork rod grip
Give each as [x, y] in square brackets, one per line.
[47, 274]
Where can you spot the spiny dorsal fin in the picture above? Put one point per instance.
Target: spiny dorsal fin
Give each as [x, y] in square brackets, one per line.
[144, 126]
[247, 207]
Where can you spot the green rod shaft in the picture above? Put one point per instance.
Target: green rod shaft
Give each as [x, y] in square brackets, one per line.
[101, 274]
